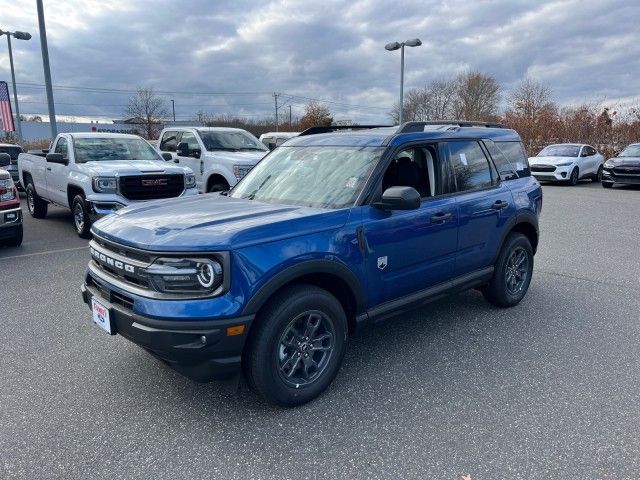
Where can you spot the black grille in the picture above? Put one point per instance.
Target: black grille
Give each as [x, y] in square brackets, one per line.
[626, 170]
[151, 187]
[543, 168]
[110, 295]
[122, 250]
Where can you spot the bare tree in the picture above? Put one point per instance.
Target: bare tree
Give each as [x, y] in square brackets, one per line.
[150, 108]
[315, 115]
[530, 99]
[477, 96]
[434, 101]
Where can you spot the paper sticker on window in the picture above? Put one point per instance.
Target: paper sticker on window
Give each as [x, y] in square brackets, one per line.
[351, 182]
[463, 159]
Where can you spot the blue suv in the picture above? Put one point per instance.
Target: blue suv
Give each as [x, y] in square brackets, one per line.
[332, 231]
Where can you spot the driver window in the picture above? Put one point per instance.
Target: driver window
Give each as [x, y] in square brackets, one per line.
[61, 147]
[414, 167]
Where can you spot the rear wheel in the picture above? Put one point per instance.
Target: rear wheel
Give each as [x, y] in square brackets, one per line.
[296, 346]
[598, 176]
[607, 184]
[512, 274]
[81, 220]
[37, 206]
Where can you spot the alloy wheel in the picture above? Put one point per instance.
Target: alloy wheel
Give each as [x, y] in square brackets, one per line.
[517, 270]
[30, 201]
[78, 217]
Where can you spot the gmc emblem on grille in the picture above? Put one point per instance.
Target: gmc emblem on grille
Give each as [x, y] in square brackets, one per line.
[154, 182]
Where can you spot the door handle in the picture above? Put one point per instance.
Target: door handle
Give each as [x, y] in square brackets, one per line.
[49, 168]
[500, 204]
[175, 160]
[441, 217]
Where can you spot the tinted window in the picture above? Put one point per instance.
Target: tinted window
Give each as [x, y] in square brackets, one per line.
[505, 168]
[470, 166]
[169, 141]
[61, 147]
[232, 140]
[515, 154]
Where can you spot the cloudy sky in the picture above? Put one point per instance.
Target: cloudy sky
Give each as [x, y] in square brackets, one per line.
[230, 56]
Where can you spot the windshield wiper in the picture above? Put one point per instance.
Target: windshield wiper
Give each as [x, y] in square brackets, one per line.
[222, 148]
[253, 148]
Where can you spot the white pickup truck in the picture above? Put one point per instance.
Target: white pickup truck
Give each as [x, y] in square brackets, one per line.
[218, 156]
[95, 174]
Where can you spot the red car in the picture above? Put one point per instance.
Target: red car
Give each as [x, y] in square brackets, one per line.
[10, 212]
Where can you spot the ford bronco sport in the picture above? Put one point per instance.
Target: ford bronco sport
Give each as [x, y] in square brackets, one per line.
[331, 232]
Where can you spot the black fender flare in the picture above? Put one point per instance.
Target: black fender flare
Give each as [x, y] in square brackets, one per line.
[520, 218]
[308, 267]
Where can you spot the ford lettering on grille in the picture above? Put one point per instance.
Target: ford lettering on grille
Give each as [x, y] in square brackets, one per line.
[115, 264]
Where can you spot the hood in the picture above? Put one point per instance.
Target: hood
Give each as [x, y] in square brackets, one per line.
[626, 161]
[249, 157]
[551, 160]
[130, 167]
[212, 222]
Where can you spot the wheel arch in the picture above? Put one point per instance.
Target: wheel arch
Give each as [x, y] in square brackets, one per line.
[214, 177]
[329, 275]
[525, 223]
[72, 191]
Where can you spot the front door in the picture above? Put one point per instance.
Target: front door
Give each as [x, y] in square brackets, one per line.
[192, 159]
[56, 175]
[411, 250]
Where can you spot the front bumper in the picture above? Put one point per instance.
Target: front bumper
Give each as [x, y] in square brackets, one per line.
[201, 350]
[560, 174]
[10, 217]
[608, 176]
[106, 204]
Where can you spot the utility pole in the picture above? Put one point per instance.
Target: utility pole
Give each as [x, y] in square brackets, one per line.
[275, 96]
[173, 107]
[47, 70]
[289, 117]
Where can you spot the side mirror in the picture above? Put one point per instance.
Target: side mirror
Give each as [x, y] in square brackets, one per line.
[399, 198]
[271, 146]
[183, 149]
[56, 158]
[167, 156]
[5, 159]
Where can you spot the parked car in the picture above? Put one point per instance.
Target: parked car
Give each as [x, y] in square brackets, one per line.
[218, 156]
[329, 233]
[95, 174]
[10, 211]
[275, 139]
[567, 163]
[12, 168]
[625, 168]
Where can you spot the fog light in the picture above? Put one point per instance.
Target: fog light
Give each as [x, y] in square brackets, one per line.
[564, 174]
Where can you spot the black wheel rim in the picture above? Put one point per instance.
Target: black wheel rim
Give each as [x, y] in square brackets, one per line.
[78, 217]
[30, 200]
[517, 270]
[574, 177]
[305, 348]
[599, 175]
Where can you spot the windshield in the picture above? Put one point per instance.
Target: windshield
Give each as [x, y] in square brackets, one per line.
[232, 140]
[325, 177]
[99, 149]
[12, 151]
[631, 151]
[560, 151]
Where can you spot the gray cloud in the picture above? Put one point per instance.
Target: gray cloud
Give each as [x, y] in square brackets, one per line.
[332, 50]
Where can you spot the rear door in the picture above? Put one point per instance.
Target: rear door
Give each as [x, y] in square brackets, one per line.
[484, 203]
[56, 174]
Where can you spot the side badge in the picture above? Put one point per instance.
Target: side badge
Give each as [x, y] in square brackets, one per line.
[382, 263]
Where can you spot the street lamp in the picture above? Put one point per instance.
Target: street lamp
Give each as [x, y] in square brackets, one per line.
[18, 36]
[414, 42]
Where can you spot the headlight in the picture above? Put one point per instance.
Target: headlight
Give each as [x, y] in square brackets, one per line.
[7, 190]
[565, 164]
[184, 275]
[241, 170]
[105, 184]
[189, 180]
[608, 165]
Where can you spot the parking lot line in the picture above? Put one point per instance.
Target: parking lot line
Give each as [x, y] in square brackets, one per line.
[46, 252]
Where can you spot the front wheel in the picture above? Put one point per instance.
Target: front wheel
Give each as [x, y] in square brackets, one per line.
[598, 177]
[16, 239]
[218, 187]
[81, 220]
[512, 274]
[573, 178]
[296, 346]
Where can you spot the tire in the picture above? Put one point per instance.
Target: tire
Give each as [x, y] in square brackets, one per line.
[16, 240]
[500, 291]
[37, 206]
[218, 187]
[607, 185]
[81, 220]
[274, 358]
[598, 175]
[574, 177]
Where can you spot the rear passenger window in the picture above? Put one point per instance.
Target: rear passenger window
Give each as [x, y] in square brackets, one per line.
[514, 152]
[506, 169]
[471, 168]
[169, 142]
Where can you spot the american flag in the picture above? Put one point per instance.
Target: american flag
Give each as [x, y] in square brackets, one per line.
[5, 108]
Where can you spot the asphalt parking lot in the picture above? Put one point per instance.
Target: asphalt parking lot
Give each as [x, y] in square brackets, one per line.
[549, 389]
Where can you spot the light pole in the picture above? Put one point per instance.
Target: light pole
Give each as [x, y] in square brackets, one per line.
[173, 108]
[47, 71]
[414, 42]
[18, 36]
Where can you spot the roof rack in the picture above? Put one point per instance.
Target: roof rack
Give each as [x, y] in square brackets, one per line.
[334, 128]
[410, 127]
